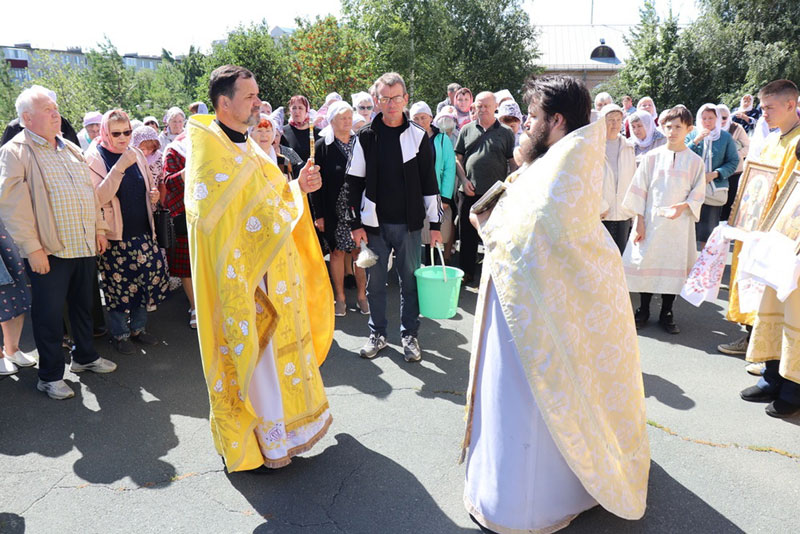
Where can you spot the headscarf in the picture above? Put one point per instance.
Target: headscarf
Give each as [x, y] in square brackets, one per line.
[105, 134]
[711, 137]
[150, 118]
[337, 107]
[166, 136]
[263, 117]
[361, 97]
[649, 128]
[655, 110]
[722, 109]
[358, 120]
[502, 94]
[309, 118]
[744, 108]
[332, 97]
[172, 112]
[277, 117]
[420, 107]
[146, 133]
[93, 117]
[509, 108]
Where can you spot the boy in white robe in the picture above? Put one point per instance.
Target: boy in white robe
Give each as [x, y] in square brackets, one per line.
[666, 195]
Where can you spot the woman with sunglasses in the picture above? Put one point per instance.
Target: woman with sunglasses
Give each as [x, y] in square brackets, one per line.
[364, 106]
[133, 271]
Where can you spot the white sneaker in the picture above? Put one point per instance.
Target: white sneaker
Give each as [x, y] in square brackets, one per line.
[58, 389]
[193, 319]
[7, 367]
[21, 359]
[100, 365]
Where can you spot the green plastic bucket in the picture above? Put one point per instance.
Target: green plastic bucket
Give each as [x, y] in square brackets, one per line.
[438, 287]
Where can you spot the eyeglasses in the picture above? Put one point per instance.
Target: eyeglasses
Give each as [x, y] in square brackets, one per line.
[365, 108]
[395, 99]
[126, 133]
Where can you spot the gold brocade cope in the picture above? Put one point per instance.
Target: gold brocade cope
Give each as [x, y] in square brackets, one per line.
[560, 282]
[248, 226]
[778, 151]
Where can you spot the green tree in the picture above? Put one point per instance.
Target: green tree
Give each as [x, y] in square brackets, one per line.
[111, 83]
[331, 57]
[665, 63]
[483, 44]
[70, 83]
[748, 44]
[159, 90]
[8, 95]
[254, 48]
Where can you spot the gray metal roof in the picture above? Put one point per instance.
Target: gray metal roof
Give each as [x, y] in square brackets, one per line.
[569, 47]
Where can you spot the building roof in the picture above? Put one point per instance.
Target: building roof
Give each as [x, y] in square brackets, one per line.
[570, 47]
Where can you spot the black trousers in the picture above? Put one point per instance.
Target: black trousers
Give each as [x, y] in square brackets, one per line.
[620, 231]
[69, 280]
[468, 252]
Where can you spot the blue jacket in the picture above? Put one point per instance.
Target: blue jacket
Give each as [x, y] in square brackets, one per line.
[724, 158]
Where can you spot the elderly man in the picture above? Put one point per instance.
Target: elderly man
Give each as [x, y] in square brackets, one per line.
[392, 190]
[485, 150]
[452, 89]
[90, 130]
[50, 209]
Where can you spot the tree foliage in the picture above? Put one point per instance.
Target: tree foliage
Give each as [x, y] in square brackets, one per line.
[482, 44]
[8, 94]
[734, 47]
[329, 56]
[254, 48]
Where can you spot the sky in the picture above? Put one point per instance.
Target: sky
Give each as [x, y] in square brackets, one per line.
[177, 24]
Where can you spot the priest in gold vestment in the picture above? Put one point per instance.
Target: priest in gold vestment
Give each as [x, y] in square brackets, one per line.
[257, 268]
[556, 415]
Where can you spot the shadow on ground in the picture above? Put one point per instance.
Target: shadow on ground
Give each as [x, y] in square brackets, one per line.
[119, 422]
[319, 495]
[671, 508]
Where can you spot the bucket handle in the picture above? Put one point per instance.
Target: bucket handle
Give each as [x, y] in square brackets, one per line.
[441, 255]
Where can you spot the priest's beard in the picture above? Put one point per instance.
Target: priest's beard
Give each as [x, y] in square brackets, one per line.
[534, 143]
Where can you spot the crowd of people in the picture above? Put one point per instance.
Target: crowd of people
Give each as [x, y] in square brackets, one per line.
[383, 172]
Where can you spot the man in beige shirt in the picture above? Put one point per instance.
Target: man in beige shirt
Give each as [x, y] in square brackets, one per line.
[49, 207]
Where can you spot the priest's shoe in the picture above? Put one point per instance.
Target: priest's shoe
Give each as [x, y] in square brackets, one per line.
[781, 409]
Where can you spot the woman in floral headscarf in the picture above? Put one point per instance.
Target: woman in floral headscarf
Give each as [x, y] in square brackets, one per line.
[133, 271]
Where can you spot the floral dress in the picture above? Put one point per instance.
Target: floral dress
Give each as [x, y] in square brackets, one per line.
[15, 289]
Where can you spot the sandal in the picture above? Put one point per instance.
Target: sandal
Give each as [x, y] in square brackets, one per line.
[193, 319]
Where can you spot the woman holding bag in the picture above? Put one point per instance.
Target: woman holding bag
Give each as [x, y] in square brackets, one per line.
[718, 150]
[133, 272]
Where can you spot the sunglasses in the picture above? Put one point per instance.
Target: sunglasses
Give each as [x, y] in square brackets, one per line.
[126, 133]
[365, 108]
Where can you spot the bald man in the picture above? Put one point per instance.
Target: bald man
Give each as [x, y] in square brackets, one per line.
[485, 151]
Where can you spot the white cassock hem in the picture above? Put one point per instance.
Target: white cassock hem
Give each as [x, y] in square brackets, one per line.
[516, 479]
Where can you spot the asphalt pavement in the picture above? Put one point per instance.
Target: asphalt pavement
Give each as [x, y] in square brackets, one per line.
[132, 452]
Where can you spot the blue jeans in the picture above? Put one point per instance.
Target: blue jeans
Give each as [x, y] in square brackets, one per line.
[118, 322]
[773, 382]
[408, 251]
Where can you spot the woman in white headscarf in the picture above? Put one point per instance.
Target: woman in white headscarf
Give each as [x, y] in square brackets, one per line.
[742, 141]
[332, 153]
[175, 120]
[364, 105]
[718, 150]
[644, 133]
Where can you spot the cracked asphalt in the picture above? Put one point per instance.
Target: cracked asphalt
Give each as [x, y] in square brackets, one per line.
[132, 451]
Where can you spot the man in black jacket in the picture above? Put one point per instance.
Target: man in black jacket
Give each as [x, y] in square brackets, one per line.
[392, 188]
